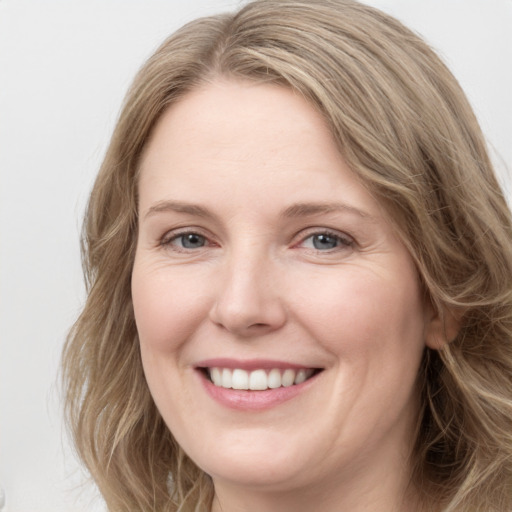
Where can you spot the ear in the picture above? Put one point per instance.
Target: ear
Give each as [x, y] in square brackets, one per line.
[442, 326]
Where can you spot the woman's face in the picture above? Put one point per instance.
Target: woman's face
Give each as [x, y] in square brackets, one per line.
[262, 261]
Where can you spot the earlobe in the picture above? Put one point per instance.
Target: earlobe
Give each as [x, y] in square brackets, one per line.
[442, 327]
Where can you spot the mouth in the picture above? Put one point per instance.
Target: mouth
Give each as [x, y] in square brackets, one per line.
[259, 379]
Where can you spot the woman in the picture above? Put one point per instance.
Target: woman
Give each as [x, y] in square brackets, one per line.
[299, 268]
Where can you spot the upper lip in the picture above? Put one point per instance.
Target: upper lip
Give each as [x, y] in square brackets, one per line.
[250, 364]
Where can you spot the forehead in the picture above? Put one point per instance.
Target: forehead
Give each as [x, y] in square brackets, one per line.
[226, 111]
[253, 140]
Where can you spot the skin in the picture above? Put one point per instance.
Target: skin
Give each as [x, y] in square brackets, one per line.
[256, 284]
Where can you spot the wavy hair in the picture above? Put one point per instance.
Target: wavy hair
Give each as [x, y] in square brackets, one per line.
[405, 128]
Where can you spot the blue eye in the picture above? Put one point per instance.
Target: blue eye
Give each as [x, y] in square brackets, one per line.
[192, 241]
[326, 242]
[187, 241]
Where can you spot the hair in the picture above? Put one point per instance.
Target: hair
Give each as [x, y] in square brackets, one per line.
[405, 128]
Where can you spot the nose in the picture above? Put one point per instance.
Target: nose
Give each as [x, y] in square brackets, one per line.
[248, 301]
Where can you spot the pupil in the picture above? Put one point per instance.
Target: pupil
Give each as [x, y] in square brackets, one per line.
[192, 241]
[324, 242]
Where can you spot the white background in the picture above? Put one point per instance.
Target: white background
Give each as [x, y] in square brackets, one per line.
[64, 68]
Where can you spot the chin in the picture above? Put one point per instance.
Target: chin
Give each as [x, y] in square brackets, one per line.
[255, 464]
[266, 477]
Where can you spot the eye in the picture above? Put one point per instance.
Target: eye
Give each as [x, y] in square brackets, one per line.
[185, 241]
[326, 241]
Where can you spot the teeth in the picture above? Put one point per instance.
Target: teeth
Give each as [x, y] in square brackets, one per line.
[226, 378]
[240, 379]
[288, 378]
[274, 379]
[300, 377]
[216, 376]
[258, 380]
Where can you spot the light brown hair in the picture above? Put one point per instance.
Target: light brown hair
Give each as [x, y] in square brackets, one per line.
[405, 127]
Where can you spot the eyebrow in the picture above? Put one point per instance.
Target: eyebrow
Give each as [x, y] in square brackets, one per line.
[309, 209]
[179, 207]
[293, 211]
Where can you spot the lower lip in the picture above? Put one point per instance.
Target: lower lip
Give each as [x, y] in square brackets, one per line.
[248, 400]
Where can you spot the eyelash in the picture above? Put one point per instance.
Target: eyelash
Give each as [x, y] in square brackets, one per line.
[169, 238]
[343, 241]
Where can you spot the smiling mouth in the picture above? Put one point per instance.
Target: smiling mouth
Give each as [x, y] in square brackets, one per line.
[258, 380]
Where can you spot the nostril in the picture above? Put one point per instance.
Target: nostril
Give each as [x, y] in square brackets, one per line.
[248, 316]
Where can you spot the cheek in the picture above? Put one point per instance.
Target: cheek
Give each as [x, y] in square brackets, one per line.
[168, 307]
[365, 311]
